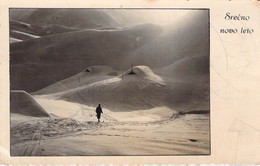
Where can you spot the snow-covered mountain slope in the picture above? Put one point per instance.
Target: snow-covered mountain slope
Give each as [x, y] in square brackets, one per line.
[127, 92]
[57, 57]
[77, 18]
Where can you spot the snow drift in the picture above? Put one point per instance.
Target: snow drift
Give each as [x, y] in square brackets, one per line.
[23, 103]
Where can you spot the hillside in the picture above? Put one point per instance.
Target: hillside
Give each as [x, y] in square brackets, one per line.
[177, 41]
[76, 18]
[128, 92]
[36, 30]
[52, 58]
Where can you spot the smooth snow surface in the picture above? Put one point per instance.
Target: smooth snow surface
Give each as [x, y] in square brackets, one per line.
[141, 91]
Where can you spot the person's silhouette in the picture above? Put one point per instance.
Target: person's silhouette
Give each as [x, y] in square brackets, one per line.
[99, 111]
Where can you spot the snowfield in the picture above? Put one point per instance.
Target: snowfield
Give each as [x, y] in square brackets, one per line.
[140, 91]
[138, 117]
[73, 130]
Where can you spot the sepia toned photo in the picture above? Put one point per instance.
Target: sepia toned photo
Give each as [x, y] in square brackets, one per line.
[109, 82]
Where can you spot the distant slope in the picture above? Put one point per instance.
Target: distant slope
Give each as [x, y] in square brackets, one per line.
[23, 103]
[38, 30]
[20, 13]
[189, 79]
[139, 91]
[44, 21]
[38, 63]
[187, 68]
[177, 41]
[77, 18]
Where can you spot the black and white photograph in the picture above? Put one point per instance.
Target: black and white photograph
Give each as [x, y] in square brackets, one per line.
[109, 81]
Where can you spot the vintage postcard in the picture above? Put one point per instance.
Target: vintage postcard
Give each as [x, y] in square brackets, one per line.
[121, 82]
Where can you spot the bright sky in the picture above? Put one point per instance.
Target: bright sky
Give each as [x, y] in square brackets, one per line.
[162, 16]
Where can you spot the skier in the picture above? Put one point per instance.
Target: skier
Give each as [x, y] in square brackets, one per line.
[99, 111]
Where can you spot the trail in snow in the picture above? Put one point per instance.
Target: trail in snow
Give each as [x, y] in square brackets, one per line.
[137, 119]
[76, 132]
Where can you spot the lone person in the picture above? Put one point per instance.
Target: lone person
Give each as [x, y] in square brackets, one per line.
[99, 111]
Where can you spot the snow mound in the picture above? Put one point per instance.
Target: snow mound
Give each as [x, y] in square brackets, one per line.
[23, 103]
[144, 72]
[141, 91]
